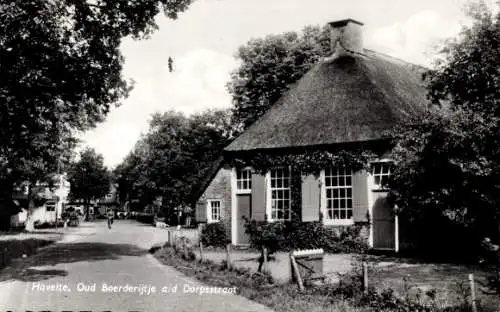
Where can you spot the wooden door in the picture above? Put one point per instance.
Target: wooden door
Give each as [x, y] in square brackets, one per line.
[244, 202]
[383, 222]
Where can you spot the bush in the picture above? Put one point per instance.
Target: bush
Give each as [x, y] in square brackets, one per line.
[433, 237]
[285, 236]
[491, 258]
[214, 234]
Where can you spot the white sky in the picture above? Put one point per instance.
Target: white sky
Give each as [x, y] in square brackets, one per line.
[203, 41]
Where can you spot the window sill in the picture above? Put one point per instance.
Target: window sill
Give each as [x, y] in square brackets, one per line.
[280, 220]
[242, 192]
[213, 221]
[342, 222]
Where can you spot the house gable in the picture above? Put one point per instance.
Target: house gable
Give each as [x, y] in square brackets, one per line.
[219, 189]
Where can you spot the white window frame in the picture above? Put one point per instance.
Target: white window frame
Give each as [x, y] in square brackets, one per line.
[249, 181]
[379, 186]
[209, 210]
[324, 202]
[269, 192]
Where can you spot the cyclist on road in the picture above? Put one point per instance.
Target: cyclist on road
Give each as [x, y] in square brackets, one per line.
[110, 215]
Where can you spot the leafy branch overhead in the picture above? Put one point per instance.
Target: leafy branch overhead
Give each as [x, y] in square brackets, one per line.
[61, 69]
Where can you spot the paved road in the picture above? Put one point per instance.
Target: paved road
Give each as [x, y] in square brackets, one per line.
[96, 256]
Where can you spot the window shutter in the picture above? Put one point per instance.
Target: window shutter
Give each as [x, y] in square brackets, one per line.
[201, 211]
[258, 197]
[310, 198]
[360, 196]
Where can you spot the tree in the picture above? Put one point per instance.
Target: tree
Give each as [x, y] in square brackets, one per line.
[448, 161]
[173, 157]
[89, 178]
[269, 66]
[60, 72]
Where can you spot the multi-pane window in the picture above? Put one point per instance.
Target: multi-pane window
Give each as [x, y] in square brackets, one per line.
[381, 172]
[280, 194]
[50, 206]
[214, 209]
[244, 180]
[338, 186]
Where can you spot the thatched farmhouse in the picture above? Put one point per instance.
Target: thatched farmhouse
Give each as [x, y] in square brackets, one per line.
[346, 101]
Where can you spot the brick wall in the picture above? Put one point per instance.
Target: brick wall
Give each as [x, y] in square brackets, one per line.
[220, 188]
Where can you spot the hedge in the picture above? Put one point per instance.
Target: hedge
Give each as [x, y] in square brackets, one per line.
[286, 236]
[214, 234]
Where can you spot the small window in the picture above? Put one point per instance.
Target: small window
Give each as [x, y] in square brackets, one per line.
[381, 172]
[214, 210]
[50, 206]
[244, 180]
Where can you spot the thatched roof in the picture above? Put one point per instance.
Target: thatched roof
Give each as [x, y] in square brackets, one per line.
[353, 98]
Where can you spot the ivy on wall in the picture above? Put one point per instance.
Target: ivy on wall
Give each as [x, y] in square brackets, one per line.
[308, 162]
[304, 163]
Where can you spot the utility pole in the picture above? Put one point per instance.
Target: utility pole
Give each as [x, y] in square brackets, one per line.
[59, 177]
[59, 156]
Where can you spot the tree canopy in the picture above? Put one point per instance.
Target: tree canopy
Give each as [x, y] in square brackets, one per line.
[61, 71]
[269, 66]
[173, 157]
[88, 176]
[448, 161]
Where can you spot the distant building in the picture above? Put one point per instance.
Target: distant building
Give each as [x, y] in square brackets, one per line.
[110, 200]
[49, 201]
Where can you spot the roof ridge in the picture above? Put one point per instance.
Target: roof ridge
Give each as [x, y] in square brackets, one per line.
[397, 59]
[335, 53]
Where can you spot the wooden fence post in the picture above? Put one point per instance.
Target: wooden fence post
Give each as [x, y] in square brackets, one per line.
[228, 256]
[184, 247]
[297, 273]
[472, 292]
[265, 267]
[365, 277]
[201, 251]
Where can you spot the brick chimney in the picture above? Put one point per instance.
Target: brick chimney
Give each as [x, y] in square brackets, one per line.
[346, 36]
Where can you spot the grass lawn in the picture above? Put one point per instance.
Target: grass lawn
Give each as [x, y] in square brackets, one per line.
[15, 245]
[450, 280]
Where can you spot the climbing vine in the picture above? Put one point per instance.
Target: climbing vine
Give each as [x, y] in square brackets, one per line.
[308, 162]
[296, 234]
[305, 163]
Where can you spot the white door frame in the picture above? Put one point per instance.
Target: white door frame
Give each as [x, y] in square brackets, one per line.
[371, 188]
[234, 205]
